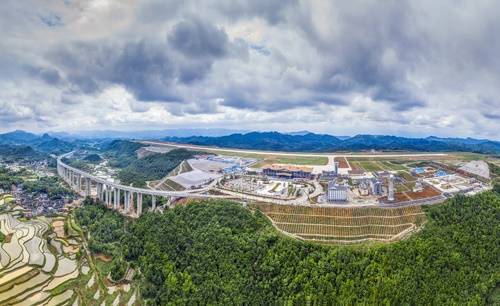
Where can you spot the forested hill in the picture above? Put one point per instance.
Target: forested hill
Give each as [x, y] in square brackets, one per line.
[316, 142]
[123, 154]
[20, 153]
[152, 167]
[265, 141]
[221, 253]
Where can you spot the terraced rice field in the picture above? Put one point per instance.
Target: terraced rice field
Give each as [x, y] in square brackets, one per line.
[29, 271]
[339, 225]
[6, 199]
[39, 267]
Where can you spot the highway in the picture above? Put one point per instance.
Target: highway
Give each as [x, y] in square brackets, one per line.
[161, 193]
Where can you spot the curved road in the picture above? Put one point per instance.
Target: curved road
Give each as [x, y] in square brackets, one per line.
[161, 193]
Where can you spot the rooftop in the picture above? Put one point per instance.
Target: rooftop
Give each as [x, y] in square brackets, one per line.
[285, 167]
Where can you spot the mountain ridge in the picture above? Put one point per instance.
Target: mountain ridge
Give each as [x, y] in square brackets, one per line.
[311, 142]
[43, 143]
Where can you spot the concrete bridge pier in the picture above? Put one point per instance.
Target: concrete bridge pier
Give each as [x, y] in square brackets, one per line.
[99, 191]
[105, 194]
[87, 187]
[126, 200]
[109, 194]
[131, 203]
[79, 183]
[116, 199]
[153, 202]
[139, 204]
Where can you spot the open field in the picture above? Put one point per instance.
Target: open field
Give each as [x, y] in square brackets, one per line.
[343, 225]
[389, 165]
[407, 176]
[296, 160]
[370, 166]
[355, 165]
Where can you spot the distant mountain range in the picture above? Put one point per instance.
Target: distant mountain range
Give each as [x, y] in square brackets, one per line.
[153, 134]
[310, 142]
[273, 141]
[43, 143]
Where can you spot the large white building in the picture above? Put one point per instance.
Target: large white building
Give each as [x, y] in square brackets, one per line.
[336, 192]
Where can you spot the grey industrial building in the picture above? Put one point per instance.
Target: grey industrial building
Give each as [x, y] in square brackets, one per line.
[336, 192]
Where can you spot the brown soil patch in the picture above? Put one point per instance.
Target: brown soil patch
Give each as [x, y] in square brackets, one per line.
[105, 258]
[427, 192]
[8, 238]
[342, 162]
[71, 249]
[58, 227]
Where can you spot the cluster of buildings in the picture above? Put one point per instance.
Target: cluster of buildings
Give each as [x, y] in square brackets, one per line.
[354, 185]
[37, 203]
[288, 171]
[338, 186]
[338, 191]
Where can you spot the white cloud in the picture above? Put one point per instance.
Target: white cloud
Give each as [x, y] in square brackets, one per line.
[395, 67]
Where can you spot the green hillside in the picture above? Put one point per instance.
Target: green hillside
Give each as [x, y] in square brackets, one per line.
[217, 252]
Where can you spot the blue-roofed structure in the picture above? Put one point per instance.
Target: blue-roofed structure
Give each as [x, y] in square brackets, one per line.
[441, 173]
[418, 170]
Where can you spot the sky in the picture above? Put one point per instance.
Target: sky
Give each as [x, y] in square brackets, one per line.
[410, 68]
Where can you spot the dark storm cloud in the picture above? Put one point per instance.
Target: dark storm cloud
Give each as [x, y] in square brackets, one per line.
[492, 116]
[246, 99]
[150, 70]
[358, 56]
[196, 38]
[49, 75]
[144, 68]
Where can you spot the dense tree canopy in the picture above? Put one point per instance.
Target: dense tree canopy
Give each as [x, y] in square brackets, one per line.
[123, 154]
[152, 167]
[218, 252]
[52, 186]
[9, 178]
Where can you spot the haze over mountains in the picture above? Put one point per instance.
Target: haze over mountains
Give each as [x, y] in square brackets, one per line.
[147, 134]
[272, 141]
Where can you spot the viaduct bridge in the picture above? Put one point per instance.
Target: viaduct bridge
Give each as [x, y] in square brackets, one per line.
[117, 196]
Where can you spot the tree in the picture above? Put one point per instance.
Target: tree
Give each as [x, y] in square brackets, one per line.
[217, 252]
[118, 268]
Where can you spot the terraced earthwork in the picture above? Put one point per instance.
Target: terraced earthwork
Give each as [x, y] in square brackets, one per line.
[42, 263]
[339, 225]
[29, 271]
